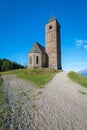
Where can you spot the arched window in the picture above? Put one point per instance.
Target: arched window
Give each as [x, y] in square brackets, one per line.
[30, 61]
[37, 59]
[50, 27]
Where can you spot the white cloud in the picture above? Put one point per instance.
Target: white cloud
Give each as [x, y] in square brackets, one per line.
[78, 63]
[76, 66]
[85, 46]
[80, 42]
[82, 63]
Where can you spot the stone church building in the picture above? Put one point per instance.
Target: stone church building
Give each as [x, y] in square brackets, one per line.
[49, 56]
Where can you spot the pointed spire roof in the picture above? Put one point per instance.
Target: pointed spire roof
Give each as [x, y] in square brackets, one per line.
[37, 48]
[52, 19]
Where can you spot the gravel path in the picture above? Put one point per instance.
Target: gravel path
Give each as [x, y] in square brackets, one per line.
[62, 106]
[20, 96]
[58, 106]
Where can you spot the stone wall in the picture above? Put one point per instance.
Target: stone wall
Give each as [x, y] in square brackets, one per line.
[36, 63]
[53, 51]
[44, 62]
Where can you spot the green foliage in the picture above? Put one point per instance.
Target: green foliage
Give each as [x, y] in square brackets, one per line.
[81, 80]
[39, 77]
[2, 106]
[6, 65]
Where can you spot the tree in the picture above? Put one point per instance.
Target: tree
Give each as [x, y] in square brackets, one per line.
[5, 65]
[9, 65]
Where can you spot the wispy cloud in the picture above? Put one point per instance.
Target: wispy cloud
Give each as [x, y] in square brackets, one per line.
[76, 66]
[85, 46]
[78, 63]
[80, 42]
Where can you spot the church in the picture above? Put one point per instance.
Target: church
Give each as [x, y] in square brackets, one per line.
[50, 55]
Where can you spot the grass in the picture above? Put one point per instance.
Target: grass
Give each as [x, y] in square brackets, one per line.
[33, 106]
[82, 92]
[2, 105]
[39, 77]
[81, 80]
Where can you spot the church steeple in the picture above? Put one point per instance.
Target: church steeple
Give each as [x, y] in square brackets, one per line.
[50, 56]
[52, 19]
[53, 43]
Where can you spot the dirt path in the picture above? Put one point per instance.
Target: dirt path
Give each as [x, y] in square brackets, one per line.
[60, 105]
[20, 96]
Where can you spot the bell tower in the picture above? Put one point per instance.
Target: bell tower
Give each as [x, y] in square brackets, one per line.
[53, 43]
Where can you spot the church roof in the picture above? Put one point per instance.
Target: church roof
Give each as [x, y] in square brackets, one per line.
[37, 48]
[53, 19]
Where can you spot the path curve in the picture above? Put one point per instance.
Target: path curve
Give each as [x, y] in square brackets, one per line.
[20, 96]
[58, 106]
[61, 106]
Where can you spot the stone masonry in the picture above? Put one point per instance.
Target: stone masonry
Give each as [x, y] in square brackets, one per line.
[51, 55]
[53, 49]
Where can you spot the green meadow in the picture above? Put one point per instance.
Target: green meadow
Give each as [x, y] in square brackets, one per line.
[3, 108]
[81, 80]
[39, 77]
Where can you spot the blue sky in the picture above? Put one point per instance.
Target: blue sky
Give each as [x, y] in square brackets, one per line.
[22, 22]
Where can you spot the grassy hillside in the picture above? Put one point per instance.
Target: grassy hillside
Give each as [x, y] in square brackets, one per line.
[81, 80]
[39, 77]
[3, 108]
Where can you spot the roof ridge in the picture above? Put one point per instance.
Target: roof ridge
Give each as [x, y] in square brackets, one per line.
[37, 48]
[38, 44]
[52, 19]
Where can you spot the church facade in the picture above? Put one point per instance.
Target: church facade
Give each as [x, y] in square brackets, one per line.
[50, 55]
